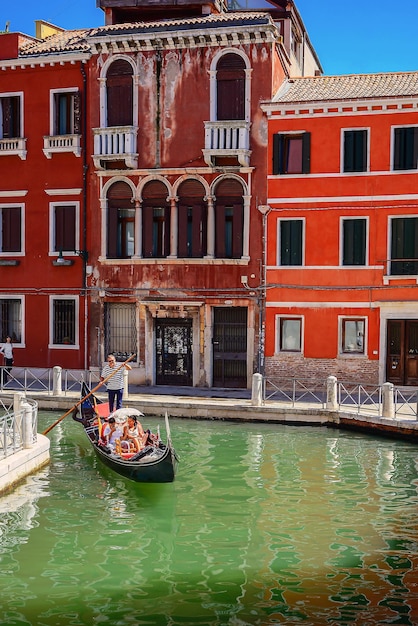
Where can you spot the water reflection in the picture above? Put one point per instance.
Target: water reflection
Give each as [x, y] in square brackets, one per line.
[264, 525]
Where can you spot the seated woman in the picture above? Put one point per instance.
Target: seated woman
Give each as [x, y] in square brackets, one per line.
[134, 434]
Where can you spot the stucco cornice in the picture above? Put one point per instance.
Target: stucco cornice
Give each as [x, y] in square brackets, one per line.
[44, 60]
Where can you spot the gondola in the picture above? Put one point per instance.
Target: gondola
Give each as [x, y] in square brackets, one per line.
[155, 463]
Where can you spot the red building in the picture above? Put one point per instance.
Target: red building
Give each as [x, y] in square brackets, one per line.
[342, 229]
[134, 175]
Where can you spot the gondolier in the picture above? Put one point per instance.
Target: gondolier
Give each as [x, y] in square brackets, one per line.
[115, 384]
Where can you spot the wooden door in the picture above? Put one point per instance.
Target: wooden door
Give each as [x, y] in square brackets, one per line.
[402, 352]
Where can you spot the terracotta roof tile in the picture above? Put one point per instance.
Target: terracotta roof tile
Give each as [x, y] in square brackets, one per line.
[349, 87]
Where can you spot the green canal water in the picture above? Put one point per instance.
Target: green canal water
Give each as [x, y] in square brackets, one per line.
[265, 524]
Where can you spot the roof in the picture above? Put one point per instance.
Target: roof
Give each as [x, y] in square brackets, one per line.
[78, 40]
[347, 87]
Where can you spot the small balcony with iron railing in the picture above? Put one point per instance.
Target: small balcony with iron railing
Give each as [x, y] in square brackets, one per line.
[227, 139]
[54, 144]
[13, 146]
[117, 143]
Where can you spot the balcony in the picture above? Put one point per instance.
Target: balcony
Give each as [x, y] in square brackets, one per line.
[61, 143]
[227, 139]
[15, 146]
[115, 144]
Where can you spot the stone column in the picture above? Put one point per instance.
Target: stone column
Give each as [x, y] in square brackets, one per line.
[388, 403]
[332, 396]
[57, 380]
[257, 390]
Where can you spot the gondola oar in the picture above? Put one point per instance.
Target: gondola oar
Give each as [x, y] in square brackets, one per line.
[102, 382]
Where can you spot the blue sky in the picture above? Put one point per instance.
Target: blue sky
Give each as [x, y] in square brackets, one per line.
[349, 37]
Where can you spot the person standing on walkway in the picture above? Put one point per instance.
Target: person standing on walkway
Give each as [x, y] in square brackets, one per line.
[115, 384]
[7, 351]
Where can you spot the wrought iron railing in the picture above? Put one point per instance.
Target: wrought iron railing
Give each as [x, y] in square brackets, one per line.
[12, 425]
[292, 390]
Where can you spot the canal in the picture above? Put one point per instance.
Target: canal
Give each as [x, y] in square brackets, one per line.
[265, 524]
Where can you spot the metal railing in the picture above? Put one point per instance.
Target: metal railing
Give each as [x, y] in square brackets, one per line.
[358, 396]
[13, 424]
[406, 403]
[293, 390]
[27, 379]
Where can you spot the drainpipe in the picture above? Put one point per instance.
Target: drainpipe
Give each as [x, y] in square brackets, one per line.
[84, 254]
[264, 210]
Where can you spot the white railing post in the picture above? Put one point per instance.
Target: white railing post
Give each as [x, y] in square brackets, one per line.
[332, 400]
[125, 384]
[57, 380]
[388, 403]
[27, 434]
[257, 390]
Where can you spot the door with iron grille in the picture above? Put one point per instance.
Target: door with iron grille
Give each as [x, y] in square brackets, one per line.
[173, 351]
[230, 347]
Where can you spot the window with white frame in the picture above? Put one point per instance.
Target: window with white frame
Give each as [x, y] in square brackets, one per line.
[404, 246]
[10, 116]
[290, 238]
[289, 334]
[11, 229]
[405, 148]
[352, 332]
[65, 114]
[64, 226]
[291, 153]
[64, 321]
[11, 319]
[355, 150]
[353, 241]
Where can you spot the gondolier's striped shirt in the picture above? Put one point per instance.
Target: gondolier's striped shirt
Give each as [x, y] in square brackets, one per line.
[116, 382]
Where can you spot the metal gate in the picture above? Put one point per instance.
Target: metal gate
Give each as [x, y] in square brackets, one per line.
[173, 350]
[230, 347]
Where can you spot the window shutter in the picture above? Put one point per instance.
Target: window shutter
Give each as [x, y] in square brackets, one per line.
[11, 223]
[306, 153]
[183, 230]
[77, 113]
[237, 227]
[65, 228]
[112, 232]
[348, 151]
[119, 87]
[277, 153]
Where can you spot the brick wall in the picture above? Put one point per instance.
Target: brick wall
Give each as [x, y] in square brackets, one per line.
[348, 370]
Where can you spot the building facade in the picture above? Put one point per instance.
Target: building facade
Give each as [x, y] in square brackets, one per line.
[341, 228]
[141, 166]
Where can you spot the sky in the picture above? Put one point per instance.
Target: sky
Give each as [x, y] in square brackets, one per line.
[349, 37]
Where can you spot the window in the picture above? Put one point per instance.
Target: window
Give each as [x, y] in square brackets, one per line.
[404, 246]
[229, 219]
[11, 319]
[10, 229]
[352, 335]
[290, 242]
[66, 113]
[64, 321]
[64, 227]
[120, 222]
[355, 151]
[405, 150]
[230, 79]
[155, 221]
[119, 93]
[10, 127]
[291, 153]
[354, 241]
[192, 220]
[289, 334]
[120, 330]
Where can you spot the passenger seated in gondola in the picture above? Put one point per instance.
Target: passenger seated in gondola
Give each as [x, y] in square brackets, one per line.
[134, 434]
[111, 432]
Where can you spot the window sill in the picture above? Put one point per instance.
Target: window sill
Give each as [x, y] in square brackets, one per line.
[387, 278]
[174, 261]
[9, 262]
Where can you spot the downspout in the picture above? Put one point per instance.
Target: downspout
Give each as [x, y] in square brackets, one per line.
[84, 255]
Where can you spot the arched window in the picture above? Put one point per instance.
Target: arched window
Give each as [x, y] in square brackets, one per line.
[119, 94]
[229, 219]
[120, 222]
[230, 88]
[155, 221]
[192, 220]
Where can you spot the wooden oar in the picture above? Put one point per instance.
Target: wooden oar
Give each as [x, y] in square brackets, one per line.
[102, 382]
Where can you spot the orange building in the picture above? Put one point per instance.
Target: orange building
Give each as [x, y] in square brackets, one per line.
[341, 226]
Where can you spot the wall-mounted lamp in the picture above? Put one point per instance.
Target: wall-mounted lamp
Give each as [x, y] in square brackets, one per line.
[60, 261]
[83, 254]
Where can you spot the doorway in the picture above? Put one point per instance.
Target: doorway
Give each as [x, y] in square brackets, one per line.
[230, 347]
[173, 350]
[402, 352]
